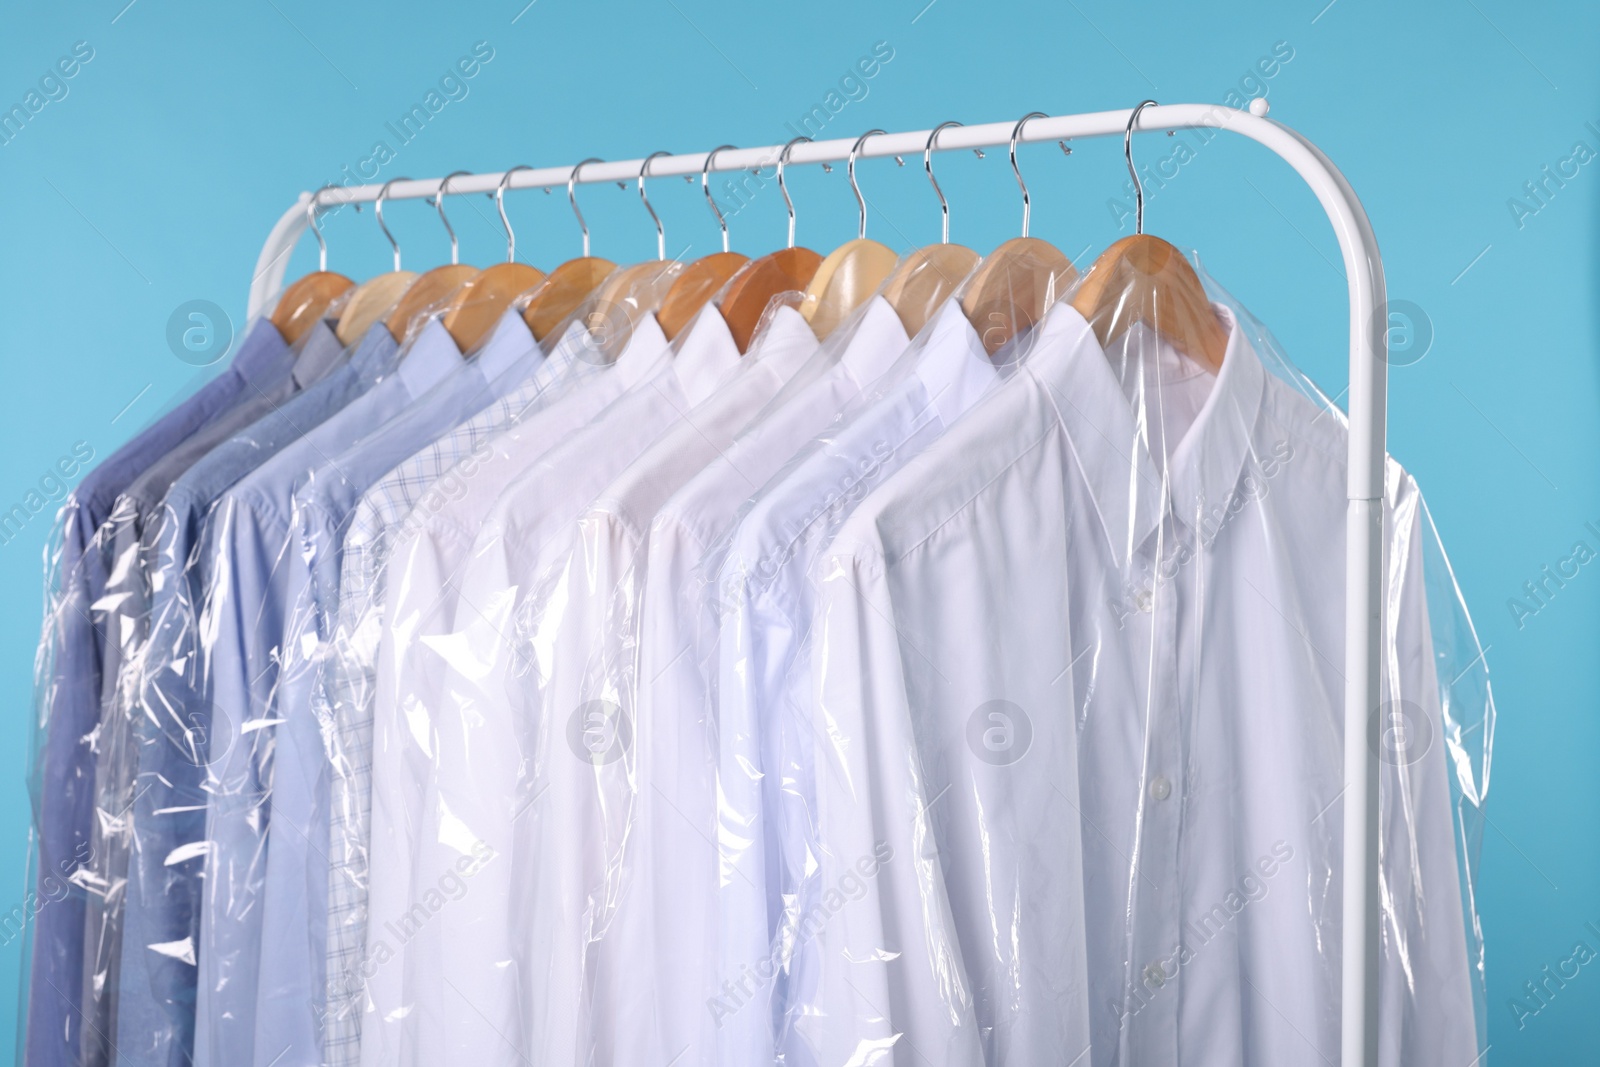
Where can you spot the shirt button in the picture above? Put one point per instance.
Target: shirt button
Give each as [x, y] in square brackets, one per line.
[1160, 788]
[1154, 976]
[1144, 600]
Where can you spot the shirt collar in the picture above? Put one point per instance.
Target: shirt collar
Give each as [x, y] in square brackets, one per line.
[877, 339]
[509, 342]
[263, 353]
[645, 346]
[431, 356]
[375, 352]
[564, 353]
[954, 367]
[1207, 463]
[786, 343]
[705, 352]
[319, 352]
[1108, 436]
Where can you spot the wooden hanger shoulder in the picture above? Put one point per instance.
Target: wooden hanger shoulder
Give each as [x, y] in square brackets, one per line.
[567, 286]
[1014, 287]
[477, 304]
[369, 301]
[430, 288]
[698, 283]
[924, 280]
[748, 293]
[846, 279]
[306, 301]
[1145, 279]
[625, 296]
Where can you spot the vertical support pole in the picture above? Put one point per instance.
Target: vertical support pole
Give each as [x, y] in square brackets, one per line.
[1363, 655]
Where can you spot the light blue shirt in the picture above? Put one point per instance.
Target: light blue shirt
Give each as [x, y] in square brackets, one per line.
[155, 1014]
[246, 547]
[135, 525]
[292, 984]
[70, 688]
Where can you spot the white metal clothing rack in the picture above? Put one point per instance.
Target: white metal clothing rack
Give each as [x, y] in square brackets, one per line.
[1368, 384]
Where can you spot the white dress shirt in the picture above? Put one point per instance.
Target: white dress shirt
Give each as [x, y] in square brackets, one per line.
[421, 576]
[582, 838]
[466, 747]
[342, 693]
[765, 594]
[667, 967]
[1077, 668]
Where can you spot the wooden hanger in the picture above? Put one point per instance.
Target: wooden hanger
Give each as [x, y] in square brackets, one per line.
[925, 279]
[431, 287]
[697, 284]
[478, 303]
[373, 298]
[745, 298]
[571, 283]
[1020, 280]
[632, 292]
[562, 291]
[627, 296]
[1145, 279]
[306, 300]
[702, 279]
[370, 301]
[852, 272]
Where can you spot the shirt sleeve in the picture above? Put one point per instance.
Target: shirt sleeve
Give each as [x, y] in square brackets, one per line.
[887, 969]
[466, 753]
[240, 645]
[1426, 981]
[293, 841]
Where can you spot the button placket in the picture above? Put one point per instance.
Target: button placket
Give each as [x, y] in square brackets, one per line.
[1151, 1033]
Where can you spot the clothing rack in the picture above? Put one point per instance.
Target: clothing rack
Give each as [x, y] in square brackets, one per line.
[1368, 384]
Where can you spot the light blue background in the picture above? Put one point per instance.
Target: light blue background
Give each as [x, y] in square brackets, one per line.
[156, 179]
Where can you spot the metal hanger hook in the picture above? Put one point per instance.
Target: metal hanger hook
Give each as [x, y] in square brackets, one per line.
[927, 165]
[377, 209]
[316, 231]
[572, 198]
[1016, 132]
[783, 159]
[500, 206]
[850, 171]
[661, 234]
[705, 187]
[1127, 154]
[438, 205]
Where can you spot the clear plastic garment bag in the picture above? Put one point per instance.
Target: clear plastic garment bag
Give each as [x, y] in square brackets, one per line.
[1076, 673]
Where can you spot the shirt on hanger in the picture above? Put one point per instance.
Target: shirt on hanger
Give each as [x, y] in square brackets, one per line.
[476, 479]
[982, 550]
[69, 689]
[765, 592]
[587, 737]
[155, 1016]
[343, 683]
[468, 819]
[294, 810]
[1223, 806]
[1167, 885]
[136, 522]
[245, 548]
[665, 950]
